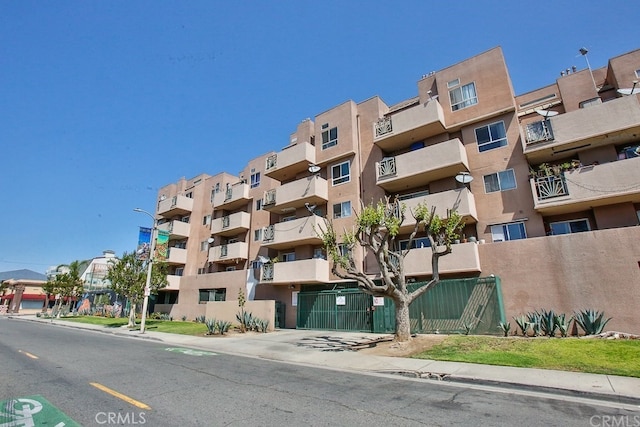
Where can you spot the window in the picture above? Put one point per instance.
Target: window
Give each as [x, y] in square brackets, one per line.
[340, 173]
[189, 195]
[342, 210]
[202, 270]
[206, 220]
[491, 136]
[213, 295]
[500, 181]
[418, 242]
[638, 73]
[318, 253]
[185, 219]
[329, 136]
[259, 204]
[343, 249]
[257, 235]
[510, 231]
[463, 97]
[287, 257]
[179, 271]
[568, 227]
[590, 102]
[167, 297]
[255, 179]
[233, 268]
[204, 245]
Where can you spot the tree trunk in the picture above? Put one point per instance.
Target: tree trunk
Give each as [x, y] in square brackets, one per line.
[132, 316]
[403, 324]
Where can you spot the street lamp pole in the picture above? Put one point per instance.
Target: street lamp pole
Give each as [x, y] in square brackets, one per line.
[147, 287]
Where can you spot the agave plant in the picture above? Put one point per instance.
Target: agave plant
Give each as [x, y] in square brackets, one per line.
[223, 326]
[505, 327]
[211, 326]
[591, 321]
[562, 323]
[548, 323]
[200, 319]
[523, 324]
[534, 321]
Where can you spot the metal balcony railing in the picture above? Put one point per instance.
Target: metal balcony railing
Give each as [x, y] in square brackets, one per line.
[272, 162]
[225, 221]
[269, 198]
[267, 272]
[224, 250]
[539, 132]
[383, 126]
[387, 167]
[551, 186]
[269, 234]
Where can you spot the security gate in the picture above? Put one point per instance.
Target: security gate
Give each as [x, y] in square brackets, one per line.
[337, 310]
[452, 306]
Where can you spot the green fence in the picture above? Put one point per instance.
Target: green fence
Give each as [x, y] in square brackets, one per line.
[452, 306]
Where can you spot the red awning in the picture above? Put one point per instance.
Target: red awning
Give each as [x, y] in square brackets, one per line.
[34, 297]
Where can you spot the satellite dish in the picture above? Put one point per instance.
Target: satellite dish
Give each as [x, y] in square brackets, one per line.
[210, 240]
[309, 207]
[631, 91]
[464, 178]
[546, 113]
[314, 168]
[263, 259]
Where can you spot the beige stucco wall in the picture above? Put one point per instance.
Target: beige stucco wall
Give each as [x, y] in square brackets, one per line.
[567, 273]
[227, 310]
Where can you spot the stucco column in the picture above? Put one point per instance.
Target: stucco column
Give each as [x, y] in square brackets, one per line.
[14, 307]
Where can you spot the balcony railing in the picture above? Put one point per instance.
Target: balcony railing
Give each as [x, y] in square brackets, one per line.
[267, 272]
[233, 197]
[292, 195]
[387, 167]
[268, 234]
[269, 198]
[383, 126]
[225, 221]
[300, 271]
[292, 160]
[551, 186]
[271, 162]
[297, 232]
[539, 132]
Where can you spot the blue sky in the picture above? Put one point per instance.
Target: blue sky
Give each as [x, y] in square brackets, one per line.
[104, 102]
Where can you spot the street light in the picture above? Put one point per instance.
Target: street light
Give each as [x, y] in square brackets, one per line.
[147, 288]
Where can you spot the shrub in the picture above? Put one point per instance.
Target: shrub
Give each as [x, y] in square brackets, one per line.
[591, 321]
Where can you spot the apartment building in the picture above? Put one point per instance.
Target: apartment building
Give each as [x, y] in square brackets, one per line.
[548, 183]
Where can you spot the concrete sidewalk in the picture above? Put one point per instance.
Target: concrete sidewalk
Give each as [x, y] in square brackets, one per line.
[333, 349]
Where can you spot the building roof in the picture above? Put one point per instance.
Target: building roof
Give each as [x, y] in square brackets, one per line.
[21, 275]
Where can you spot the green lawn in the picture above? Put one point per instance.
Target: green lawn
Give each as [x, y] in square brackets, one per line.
[173, 327]
[599, 356]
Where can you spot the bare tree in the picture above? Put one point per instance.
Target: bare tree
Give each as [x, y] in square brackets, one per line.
[377, 228]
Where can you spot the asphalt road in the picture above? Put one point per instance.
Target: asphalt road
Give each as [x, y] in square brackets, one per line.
[102, 379]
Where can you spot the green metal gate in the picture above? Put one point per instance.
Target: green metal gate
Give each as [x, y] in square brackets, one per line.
[338, 310]
[452, 306]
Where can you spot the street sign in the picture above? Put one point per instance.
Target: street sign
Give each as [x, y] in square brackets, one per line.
[31, 411]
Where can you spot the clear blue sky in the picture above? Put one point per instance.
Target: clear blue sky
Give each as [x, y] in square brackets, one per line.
[103, 102]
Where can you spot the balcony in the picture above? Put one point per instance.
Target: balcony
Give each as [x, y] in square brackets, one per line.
[176, 256]
[288, 197]
[588, 187]
[234, 197]
[417, 123]
[420, 167]
[612, 122]
[305, 271]
[229, 253]
[301, 231]
[463, 259]
[231, 225]
[290, 161]
[176, 229]
[176, 205]
[462, 199]
[174, 283]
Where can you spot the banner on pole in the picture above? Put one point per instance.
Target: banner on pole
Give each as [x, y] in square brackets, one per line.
[144, 241]
[162, 245]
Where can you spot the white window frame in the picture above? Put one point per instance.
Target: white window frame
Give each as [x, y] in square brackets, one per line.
[204, 245]
[493, 140]
[504, 232]
[568, 223]
[258, 204]
[255, 180]
[344, 209]
[424, 242]
[464, 102]
[179, 271]
[257, 234]
[287, 256]
[340, 179]
[500, 186]
[326, 130]
[206, 220]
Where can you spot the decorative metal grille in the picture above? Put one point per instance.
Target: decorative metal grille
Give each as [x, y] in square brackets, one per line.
[267, 272]
[539, 132]
[224, 250]
[272, 162]
[387, 167]
[551, 186]
[225, 221]
[269, 197]
[383, 126]
[228, 194]
[269, 234]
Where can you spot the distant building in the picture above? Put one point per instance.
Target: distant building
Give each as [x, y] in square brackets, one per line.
[22, 292]
[548, 183]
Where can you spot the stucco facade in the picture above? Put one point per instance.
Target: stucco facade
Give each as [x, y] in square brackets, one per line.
[552, 208]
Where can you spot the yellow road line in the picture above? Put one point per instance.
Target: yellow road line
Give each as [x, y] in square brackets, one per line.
[26, 353]
[120, 396]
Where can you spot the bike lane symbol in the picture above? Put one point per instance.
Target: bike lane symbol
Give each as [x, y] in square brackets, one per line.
[32, 411]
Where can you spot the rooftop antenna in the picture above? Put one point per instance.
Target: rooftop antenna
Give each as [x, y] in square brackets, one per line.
[631, 91]
[583, 51]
